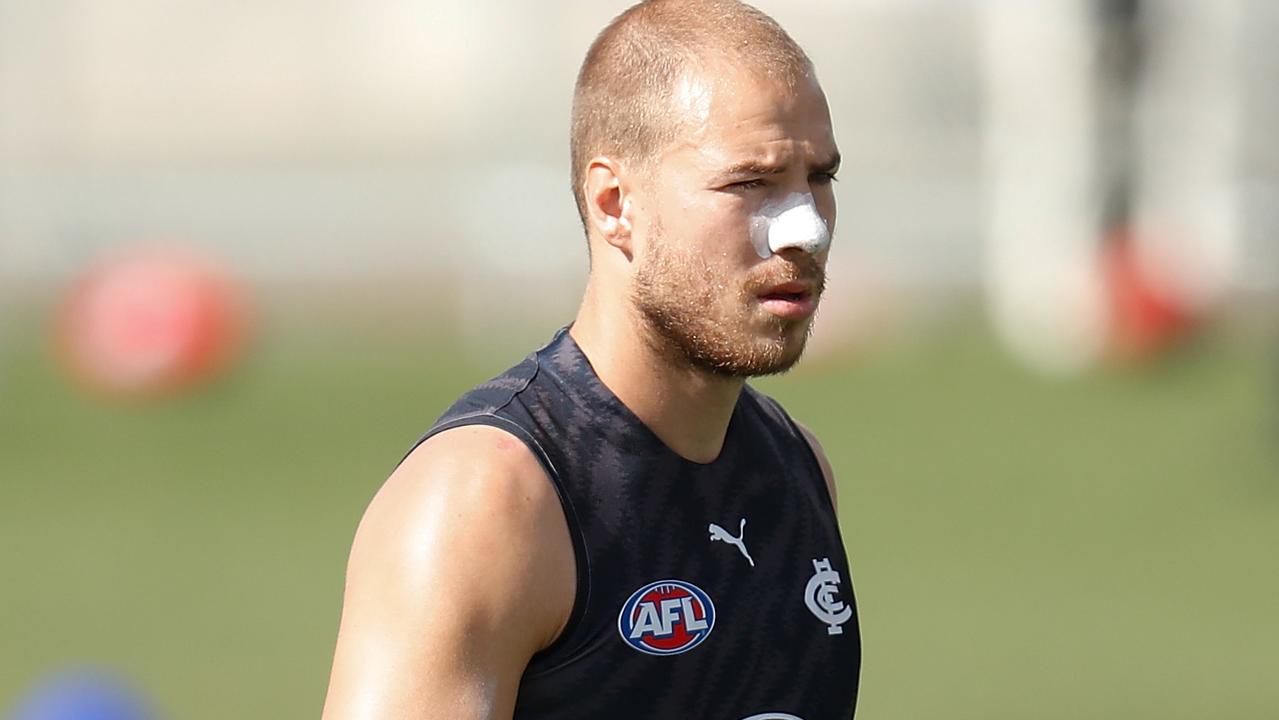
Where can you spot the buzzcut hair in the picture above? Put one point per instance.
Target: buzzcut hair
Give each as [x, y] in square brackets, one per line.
[622, 104]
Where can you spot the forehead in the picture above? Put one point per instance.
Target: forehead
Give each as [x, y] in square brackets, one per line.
[732, 113]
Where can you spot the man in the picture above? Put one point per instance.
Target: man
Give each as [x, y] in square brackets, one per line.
[618, 526]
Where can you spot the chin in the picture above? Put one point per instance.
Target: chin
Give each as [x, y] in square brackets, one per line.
[791, 344]
[783, 361]
[769, 354]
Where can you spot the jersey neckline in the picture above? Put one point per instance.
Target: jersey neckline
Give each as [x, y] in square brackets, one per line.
[562, 358]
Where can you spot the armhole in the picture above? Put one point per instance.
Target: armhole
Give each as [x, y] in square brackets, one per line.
[814, 464]
[582, 593]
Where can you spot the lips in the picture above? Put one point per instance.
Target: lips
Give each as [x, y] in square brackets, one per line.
[788, 291]
[790, 301]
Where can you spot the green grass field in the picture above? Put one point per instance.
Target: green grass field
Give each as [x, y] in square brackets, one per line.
[1103, 547]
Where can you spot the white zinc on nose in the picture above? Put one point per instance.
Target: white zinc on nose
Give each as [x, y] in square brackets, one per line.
[792, 222]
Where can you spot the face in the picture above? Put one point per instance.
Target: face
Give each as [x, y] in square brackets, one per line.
[703, 291]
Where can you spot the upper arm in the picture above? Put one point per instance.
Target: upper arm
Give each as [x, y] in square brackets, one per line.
[828, 473]
[461, 569]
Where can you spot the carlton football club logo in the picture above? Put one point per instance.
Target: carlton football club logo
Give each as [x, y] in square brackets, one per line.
[667, 617]
[822, 597]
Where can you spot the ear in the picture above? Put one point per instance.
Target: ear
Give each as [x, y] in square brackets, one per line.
[608, 203]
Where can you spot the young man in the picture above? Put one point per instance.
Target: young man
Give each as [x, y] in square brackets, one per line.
[619, 526]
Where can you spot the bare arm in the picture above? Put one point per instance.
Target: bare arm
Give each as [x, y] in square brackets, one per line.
[461, 569]
[827, 471]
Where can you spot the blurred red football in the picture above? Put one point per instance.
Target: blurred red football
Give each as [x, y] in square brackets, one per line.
[150, 324]
[1147, 317]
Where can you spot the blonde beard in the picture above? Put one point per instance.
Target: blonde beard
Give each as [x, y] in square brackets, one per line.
[681, 301]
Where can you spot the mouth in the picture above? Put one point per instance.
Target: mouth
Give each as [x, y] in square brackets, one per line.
[789, 301]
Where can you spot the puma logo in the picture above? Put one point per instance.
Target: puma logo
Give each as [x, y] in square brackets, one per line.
[719, 533]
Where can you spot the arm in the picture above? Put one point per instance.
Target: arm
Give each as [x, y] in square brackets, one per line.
[827, 471]
[461, 569]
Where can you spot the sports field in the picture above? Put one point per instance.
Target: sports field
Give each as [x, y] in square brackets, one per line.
[1103, 547]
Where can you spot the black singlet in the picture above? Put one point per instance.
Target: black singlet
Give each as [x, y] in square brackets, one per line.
[715, 591]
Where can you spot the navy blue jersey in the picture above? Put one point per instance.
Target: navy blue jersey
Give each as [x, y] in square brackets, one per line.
[717, 591]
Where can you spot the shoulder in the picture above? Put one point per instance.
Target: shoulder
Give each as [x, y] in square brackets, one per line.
[461, 569]
[818, 452]
[774, 409]
[469, 499]
[468, 464]
[493, 394]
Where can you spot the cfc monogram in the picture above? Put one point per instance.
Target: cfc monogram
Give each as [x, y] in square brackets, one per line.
[822, 597]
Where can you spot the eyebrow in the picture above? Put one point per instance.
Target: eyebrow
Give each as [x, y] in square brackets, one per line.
[756, 167]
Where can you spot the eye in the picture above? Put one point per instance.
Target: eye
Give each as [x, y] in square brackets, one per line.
[823, 178]
[747, 184]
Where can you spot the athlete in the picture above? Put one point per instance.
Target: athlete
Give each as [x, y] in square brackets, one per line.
[620, 527]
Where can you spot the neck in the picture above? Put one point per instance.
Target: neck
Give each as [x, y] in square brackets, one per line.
[686, 408]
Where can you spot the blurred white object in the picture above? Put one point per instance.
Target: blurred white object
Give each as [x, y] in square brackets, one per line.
[1187, 223]
[1061, 143]
[1043, 281]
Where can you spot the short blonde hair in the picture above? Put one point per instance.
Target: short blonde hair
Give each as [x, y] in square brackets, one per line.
[622, 105]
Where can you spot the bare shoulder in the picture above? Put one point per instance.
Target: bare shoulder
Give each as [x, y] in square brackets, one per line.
[827, 471]
[477, 479]
[471, 501]
[461, 569]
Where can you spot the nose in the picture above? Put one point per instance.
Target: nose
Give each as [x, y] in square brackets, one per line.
[793, 255]
[797, 224]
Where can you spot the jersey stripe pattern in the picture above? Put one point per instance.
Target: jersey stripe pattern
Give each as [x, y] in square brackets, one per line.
[750, 612]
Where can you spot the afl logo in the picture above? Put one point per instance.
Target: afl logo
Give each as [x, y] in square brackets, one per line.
[667, 617]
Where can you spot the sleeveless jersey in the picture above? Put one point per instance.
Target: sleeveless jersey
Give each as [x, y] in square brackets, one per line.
[714, 591]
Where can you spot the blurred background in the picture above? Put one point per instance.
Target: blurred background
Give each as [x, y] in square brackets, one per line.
[248, 252]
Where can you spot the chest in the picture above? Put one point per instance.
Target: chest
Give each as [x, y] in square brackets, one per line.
[711, 594]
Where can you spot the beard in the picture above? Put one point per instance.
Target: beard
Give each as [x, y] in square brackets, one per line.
[694, 313]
